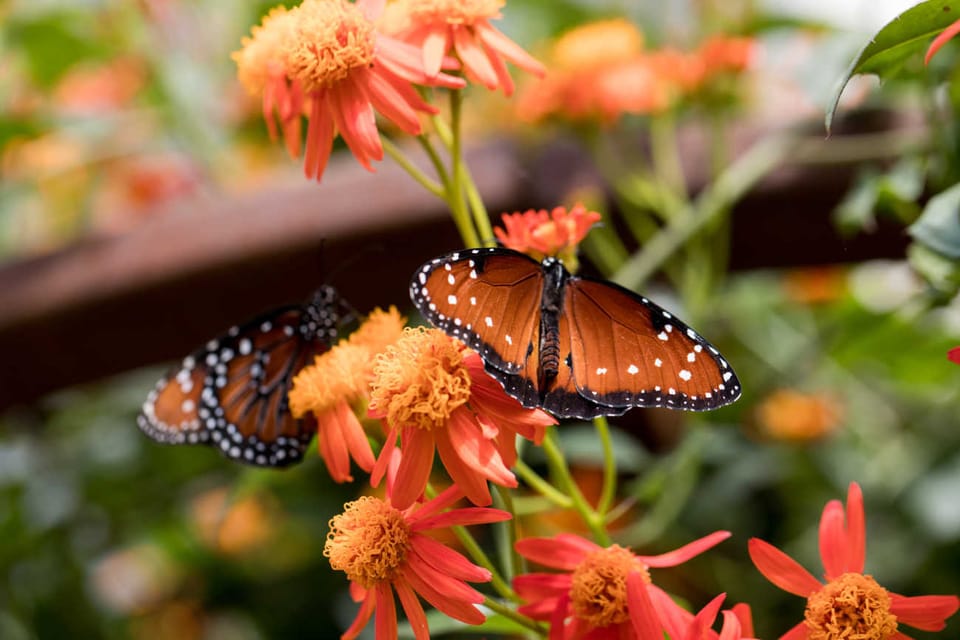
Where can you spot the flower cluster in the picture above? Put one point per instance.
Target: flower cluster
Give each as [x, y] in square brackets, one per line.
[337, 63]
[602, 71]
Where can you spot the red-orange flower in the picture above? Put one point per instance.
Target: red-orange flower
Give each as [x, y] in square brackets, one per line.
[386, 550]
[604, 593]
[433, 393]
[338, 379]
[683, 625]
[325, 58]
[850, 604]
[541, 233]
[954, 355]
[463, 27]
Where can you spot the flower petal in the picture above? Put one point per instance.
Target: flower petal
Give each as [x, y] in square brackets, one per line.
[356, 122]
[509, 49]
[856, 530]
[643, 615]
[363, 616]
[444, 559]
[332, 447]
[387, 454]
[705, 617]
[320, 135]
[416, 617]
[415, 466]
[781, 569]
[675, 619]
[475, 61]
[564, 551]
[928, 613]
[798, 632]
[352, 433]
[687, 551]
[435, 45]
[833, 540]
[745, 616]
[436, 593]
[462, 517]
[538, 586]
[390, 103]
[941, 40]
[731, 629]
[386, 619]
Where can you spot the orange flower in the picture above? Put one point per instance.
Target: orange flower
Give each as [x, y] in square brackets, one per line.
[726, 54]
[850, 604]
[604, 593]
[325, 57]
[434, 395]
[463, 27]
[337, 379]
[793, 416]
[540, 233]
[383, 550]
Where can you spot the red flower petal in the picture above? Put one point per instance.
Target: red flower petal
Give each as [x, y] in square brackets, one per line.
[928, 613]
[941, 40]
[744, 615]
[954, 355]
[565, 551]
[320, 134]
[415, 466]
[436, 594]
[363, 616]
[674, 618]
[474, 59]
[833, 540]
[643, 615]
[687, 551]
[386, 618]
[463, 517]
[731, 629]
[509, 49]
[781, 569]
[435, 44]
[856, 530]
[443, 558]
[539, 586]
[416, 617]
[799, 632]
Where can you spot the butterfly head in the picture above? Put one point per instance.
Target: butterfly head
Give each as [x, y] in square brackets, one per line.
[322, 314]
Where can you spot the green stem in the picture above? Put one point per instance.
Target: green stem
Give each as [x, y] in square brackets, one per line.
[666, 160]
[609, 486]
[520, 619]
[742, 175]
[506, 532]
[541, 486]
[480, 216]
[435, 160]
[401, 159]
[455, 192]
[558, 464]
[480, 557]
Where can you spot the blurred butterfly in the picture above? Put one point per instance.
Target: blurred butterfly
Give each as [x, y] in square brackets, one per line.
[574, 346]
[232, 393]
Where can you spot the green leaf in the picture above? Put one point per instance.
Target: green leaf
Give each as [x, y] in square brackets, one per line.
[906, 35]
[938, 227]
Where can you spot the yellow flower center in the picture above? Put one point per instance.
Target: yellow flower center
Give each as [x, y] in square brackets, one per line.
[343, 373]
[328, 40]
[379, 330]
[368, 541]
[851, 607]
[262, 53]
[453, 11]
[599, 591]
[420, 380]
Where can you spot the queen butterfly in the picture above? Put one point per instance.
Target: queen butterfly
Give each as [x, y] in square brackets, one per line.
[232, 392]
[574, 346]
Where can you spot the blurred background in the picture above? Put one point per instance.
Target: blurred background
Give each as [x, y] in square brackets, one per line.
[143, 209]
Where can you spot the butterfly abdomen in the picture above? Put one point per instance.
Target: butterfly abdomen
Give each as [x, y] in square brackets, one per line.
[551, 305]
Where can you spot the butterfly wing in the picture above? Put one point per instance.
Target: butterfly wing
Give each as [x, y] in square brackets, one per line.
[490, 300]
[232, 393]
[627, 352]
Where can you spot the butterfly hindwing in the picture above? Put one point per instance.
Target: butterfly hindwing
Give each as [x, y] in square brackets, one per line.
[232, 393]
[627, 351]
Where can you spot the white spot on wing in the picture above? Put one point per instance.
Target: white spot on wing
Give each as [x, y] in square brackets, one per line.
[726, 376]
[691, 357]
[473, 274]
[451, 299]
[473, 300]
[684, 374]
[488, 321]
[451, 279]
[508, 339]
[601, 371]
[658, 362]
[632, 370]
[663, 336]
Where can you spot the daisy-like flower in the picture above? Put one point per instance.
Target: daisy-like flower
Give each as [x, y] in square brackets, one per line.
[850, 604]
[604, 593]
[542, 233]
[325, 57]
[337, 380]
[386, 550]
[683, 625]
[434, 395]
[463, 27]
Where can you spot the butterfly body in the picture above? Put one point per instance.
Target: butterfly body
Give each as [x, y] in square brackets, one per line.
[232, 392]
[577, 347]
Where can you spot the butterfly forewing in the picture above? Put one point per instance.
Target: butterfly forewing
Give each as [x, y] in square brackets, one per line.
[489, 299]
[232, 393]
[627, 352]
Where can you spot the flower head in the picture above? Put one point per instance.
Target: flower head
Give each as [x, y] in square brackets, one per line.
[792, 416]
[604, 591]
[338, 379]
[463, 27]
[434, 395]
[326, 58]
[540, 233]
[850, 604]
[386, 550]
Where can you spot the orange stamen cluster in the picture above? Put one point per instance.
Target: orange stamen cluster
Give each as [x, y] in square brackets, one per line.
[599, 590]
[464, 12]
[851, 606]
[420, 380]
[369, 541]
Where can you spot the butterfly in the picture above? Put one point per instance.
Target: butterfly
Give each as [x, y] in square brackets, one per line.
[575, 346]
[232, 392]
